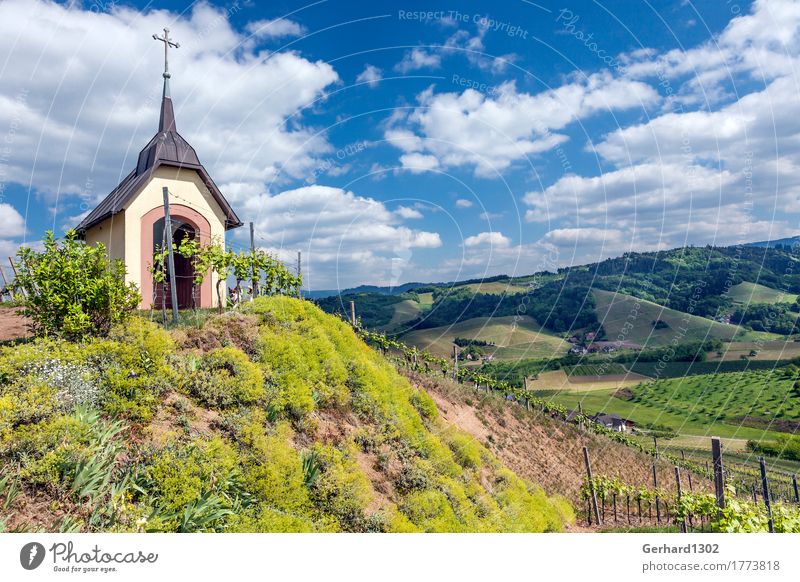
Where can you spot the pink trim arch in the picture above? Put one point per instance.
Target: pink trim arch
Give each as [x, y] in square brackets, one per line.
[200, 225]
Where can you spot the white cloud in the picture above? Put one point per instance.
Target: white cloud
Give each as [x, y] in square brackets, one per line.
[490, 133]
[416, 59]
[82, 114]
[464, 203]
[418, 163]
[276, 28]
[11, 222]
[408, 213]
[371, 75]
[345, 239]
[494, 238]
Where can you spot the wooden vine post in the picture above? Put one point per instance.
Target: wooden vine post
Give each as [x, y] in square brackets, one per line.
[688, 473]
[794, 486]
[719, 479]
[455, 363]
[765, 486]
[173, 287]
[353, 313]
[592, 492]
[678, 483]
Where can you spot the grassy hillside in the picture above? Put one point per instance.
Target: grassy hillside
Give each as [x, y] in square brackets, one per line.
[278, 419]
[526, 339]
[746, 292]
[624, 316]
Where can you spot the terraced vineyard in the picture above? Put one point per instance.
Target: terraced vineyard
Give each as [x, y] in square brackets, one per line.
[680, 369]
[760, 399]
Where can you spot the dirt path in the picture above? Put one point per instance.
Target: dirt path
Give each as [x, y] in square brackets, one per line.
[12, 326]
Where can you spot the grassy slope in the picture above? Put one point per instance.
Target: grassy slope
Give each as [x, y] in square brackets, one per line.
[615, 310]
[527, 340]
[275, 420]
[747, 293]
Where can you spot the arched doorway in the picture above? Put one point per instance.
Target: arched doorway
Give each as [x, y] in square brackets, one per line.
[184, 269]
[186, 222]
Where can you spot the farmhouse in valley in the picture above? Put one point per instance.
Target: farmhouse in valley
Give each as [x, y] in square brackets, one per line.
[613, 421]
[130, 220]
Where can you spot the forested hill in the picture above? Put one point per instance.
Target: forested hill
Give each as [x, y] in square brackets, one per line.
[740, 283]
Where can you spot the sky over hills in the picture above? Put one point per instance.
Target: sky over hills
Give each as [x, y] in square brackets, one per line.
[393, 141]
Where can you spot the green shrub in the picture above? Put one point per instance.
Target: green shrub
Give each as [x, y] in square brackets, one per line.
[341, 490]
[226, 377]
[190, 479]
[72, 289]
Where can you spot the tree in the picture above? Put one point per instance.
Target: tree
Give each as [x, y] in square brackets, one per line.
[73, 289]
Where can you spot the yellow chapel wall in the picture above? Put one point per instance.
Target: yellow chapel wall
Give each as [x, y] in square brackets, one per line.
[110, 232]
[186, 188]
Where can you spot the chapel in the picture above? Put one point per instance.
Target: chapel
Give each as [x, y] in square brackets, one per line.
[130, 220]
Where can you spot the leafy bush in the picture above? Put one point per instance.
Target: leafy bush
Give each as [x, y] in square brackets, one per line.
[226, 377]
[73, 289]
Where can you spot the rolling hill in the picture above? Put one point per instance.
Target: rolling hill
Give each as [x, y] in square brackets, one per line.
[630, 319]
[526, 339]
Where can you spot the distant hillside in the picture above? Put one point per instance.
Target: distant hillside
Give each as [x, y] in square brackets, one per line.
[789, 242]
[644, 300]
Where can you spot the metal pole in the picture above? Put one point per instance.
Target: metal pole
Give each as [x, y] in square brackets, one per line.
[719, 480]
[353, 313]
[171, 257]
[455, 363]
[254, 290]
[765, 486]
[591, 486]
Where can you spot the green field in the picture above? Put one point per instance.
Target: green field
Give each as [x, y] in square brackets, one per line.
[494, 287]
[528, 340]
[630, 319]
[704, 425]
[766, 395]
[747, 293]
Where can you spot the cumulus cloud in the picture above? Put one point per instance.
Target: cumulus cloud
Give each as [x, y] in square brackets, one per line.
[82, 114]
[371, 75]
[719, 175]
[494, 238]
[11, 222]
[345, 239]
[464, 203]
[489, 133]
[408, 213]
[276, 28]
[418, 58]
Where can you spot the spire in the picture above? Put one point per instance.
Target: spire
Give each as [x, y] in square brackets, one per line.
[166, 121]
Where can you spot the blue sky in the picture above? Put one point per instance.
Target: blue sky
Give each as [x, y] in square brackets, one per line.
[404, 141]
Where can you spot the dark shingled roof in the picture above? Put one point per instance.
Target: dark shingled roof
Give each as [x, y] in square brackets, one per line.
[167, 148]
